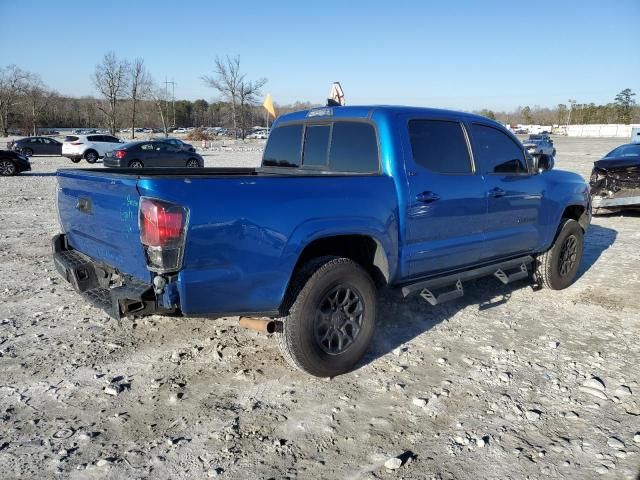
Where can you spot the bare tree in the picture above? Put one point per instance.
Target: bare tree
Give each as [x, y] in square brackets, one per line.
[13, 83]
[110, 79]
[233, 87]
[37, 99]
[139, 87]
[249, 95]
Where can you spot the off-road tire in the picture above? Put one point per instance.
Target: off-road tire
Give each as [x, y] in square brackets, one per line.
[297, 337]
[91, 156]
[548, 264]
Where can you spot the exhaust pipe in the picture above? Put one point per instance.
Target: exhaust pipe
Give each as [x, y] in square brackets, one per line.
[264, 326]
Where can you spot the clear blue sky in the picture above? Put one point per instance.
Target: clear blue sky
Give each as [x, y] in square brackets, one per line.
[457, 54]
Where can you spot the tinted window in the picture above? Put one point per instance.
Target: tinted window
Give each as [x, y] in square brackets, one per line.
[95, 138]
[354, 148]
[496, 152]
[625, 151]
[439, 146]
[283, 147]
[110, 139]
[316, 145]
[70, 138]
[146, 147]
[34, 140]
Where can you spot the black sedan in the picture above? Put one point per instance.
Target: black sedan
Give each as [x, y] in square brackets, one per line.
[152, 154]
[12, 163]
[615, 179]
[37, 146]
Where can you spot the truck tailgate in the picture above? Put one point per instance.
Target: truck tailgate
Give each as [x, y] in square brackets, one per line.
[99, 214]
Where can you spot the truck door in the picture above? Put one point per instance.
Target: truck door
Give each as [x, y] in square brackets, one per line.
[446, 205]
[514, 191]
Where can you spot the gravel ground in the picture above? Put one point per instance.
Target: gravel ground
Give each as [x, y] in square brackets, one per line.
[506, 383]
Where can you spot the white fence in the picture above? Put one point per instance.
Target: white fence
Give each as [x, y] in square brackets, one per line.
[601, 130]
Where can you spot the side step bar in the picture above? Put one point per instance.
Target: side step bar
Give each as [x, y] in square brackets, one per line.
[500, 270]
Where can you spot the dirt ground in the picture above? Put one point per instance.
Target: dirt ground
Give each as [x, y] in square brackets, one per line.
[506, 383]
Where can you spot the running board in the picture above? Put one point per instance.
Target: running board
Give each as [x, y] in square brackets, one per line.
[426, 287]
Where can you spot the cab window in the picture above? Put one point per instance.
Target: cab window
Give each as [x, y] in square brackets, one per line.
[496, 152]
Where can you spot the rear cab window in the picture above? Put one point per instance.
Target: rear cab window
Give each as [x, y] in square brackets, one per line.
[440, 146]
[336, 146]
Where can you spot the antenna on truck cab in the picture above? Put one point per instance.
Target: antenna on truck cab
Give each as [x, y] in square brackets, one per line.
[336, 96]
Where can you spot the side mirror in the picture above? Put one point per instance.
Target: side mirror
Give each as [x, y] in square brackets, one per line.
[543, 162]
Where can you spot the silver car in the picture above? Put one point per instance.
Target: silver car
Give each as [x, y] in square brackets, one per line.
[540, 145]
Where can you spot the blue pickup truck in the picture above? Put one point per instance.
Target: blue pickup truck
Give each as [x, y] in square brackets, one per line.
[348, 200]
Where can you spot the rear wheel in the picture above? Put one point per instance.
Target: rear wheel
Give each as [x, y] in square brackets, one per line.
[331, 321]
[193, 163]
[75, 159]
[91, 156]
[26, 152]
[7, 168]
[557, 267]
[136, 164]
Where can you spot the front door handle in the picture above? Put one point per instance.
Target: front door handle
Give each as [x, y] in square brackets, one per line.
[427, 197]
[496, 192]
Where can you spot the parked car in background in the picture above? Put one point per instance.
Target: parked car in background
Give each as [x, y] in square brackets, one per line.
[37, 146]
[89, 147]
[615, 179]
[176, 142]
[540, 144]
[12, 163]
[152, 154]
[260, 134]
[179, 130]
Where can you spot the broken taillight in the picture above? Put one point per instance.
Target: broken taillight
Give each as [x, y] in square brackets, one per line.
[162, 233]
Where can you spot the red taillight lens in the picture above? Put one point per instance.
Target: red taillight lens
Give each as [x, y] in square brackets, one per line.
[162, 233]
[161, 223]
[120, 153]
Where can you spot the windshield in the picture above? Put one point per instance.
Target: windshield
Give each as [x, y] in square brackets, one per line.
[625, 151]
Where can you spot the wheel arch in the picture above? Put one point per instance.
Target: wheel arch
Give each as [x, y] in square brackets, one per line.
[364, 249]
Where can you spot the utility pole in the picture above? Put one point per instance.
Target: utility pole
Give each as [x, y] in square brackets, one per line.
[173, 98]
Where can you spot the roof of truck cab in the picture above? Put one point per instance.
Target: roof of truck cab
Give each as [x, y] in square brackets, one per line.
[367, 111]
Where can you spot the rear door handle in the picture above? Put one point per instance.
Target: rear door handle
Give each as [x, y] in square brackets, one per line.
[496, 192]
[427, 197]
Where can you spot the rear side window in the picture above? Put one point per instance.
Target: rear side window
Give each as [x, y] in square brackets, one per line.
[496, 152]
[284, 147]
[316, 145]
[70, 138]
[439, 146]
[107, 138]
[354, 148]
[95, 138]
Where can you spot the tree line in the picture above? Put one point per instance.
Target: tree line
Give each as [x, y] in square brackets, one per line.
[623, 109]
[129, 97]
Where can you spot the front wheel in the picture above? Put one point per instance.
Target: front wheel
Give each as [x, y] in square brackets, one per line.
[193, 163]
[27, 152]
[7, 168]
[557, 267]
[331, 321]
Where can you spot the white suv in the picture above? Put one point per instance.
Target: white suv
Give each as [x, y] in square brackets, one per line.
[89, 147]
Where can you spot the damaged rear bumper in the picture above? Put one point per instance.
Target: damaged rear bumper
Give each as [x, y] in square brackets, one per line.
[117, 294]
[616, 201]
